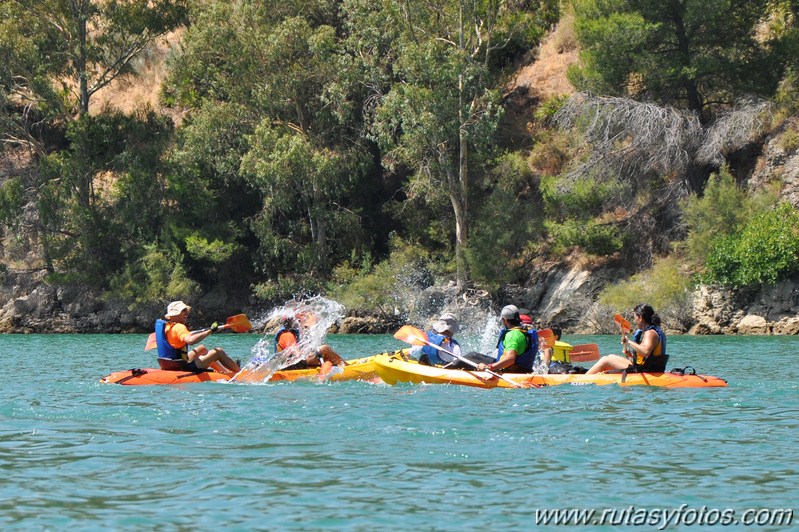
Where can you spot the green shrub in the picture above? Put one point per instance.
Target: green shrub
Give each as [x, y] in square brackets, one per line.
[789, 141]
[721, 211]
[159, 275]
[12, 194]
[286, 288]
[592, 237]
[764, 251]
[665, 286]
[383, 287]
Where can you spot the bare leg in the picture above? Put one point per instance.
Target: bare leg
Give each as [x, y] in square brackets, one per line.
[328, 355]
[206, 358]
[609, 362]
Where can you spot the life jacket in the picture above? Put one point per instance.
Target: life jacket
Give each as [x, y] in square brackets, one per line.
[526, 359]
[165, 349]
[280, 331]
[659, 350]
[436, 357]
[560, 352]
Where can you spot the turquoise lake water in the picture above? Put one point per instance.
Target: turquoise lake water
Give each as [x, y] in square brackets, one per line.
[78, 454]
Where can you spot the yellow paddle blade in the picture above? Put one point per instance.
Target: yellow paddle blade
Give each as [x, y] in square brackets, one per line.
[239, 323]
[411, 335]
[150, 342]
[584, 353]
[546, 338]
[624, 325]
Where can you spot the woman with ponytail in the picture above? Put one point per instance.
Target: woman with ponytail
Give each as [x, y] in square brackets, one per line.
[646, 352]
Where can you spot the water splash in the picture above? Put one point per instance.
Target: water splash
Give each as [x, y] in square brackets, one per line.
[314, 316]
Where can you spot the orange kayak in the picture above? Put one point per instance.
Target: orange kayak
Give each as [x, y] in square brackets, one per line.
[150, 376]
[358, 369]
[392, 371]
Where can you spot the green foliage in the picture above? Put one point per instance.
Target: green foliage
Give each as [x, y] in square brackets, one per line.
[12, 196]
[509, 218]
[721, 211]
[665, 286]
[592, 237]
[685, 53]
[287, 287]
[215, 252]
[547, 109]
[574, 212]
[581, 199]
[157, 276]
[789, 141]
[383, 287]
[765, 250]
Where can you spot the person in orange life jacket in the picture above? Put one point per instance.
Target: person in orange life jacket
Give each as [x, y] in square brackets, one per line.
[516, 348]
[287, 339]
[441, 335]
[648, 346]
[179, 338]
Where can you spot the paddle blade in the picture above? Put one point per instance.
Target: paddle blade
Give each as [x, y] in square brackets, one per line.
[584, 353]
[623, 324]
[411, 335]
[238, 323]
[151, 344]
[546, 338]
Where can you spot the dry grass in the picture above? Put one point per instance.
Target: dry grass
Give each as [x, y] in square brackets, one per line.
[546, 76]
[140, 90]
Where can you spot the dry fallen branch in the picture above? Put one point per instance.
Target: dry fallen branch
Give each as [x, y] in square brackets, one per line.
[629, 139]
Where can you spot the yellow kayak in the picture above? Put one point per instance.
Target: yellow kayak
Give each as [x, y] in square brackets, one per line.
[394, 370]
[362, 369]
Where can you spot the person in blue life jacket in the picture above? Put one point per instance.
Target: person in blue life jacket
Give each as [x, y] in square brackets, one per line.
[441, 334]
[517, 346]
[174, 340]
[647, 348]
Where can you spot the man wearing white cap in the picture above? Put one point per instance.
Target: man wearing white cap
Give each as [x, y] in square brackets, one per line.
[173, 340]
[441, 335]
[516, 347]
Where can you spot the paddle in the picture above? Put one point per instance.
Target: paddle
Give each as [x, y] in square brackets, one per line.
[237, 323]
[411, 335]
[546, 338]
[584, 353]
[623, 324]
[625, 327]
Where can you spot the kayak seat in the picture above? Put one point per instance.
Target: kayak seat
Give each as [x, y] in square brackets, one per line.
[178, 365]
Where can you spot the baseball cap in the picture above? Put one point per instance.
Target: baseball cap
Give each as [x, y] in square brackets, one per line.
[510, 312]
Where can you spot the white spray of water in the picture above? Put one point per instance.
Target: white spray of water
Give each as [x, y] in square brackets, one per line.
[314, 316]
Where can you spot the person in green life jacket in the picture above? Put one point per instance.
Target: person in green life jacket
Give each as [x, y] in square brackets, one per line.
[441, 335]
[647, 349]
[517, 347]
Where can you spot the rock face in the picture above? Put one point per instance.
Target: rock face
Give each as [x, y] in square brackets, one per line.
[781, 162]
[563, 296]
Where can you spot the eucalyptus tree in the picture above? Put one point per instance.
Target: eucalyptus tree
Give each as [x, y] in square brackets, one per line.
[439, 108]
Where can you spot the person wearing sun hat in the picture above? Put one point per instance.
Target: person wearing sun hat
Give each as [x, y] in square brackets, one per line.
[441, 334]
[173, 340]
